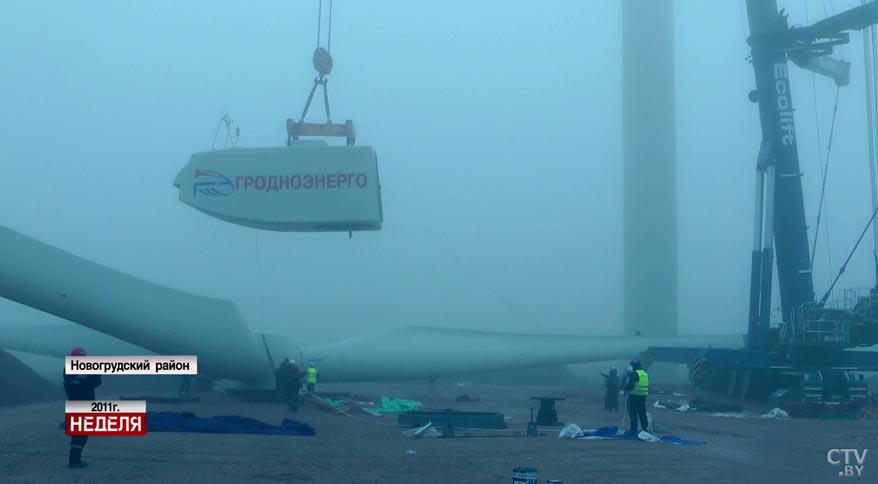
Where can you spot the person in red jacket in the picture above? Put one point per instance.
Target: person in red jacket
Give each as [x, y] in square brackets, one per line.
[79, 387]
[288, 381]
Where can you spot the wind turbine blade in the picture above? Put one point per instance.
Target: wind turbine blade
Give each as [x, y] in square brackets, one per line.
[58, 339]
[158, 318]
[423, 352]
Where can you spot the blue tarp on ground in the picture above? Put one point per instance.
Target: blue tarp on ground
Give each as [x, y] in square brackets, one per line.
[221, 424]
[612, 432]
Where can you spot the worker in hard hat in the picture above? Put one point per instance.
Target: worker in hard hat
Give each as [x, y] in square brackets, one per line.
[311, 378]
[288, 381]
[637, 389]
[79, 387]
[611, 397]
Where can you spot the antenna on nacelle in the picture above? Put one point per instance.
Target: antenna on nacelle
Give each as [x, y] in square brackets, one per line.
[226, 120]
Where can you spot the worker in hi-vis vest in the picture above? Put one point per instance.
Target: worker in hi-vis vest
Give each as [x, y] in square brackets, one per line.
[311, 378]
[637, 389]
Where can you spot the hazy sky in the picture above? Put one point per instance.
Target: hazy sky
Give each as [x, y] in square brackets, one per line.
[497, 124]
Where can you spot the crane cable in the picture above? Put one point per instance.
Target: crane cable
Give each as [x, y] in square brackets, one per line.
[825, 172]
[844, 266]
[259, 279]
[322, 61]
[320, 24]
[818, 159]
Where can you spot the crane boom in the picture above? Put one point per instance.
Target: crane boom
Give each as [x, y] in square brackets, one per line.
[785, 217]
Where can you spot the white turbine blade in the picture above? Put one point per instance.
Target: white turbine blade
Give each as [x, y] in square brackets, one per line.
[158, 318]
[168, 321]
[58, 339]
[422, 352]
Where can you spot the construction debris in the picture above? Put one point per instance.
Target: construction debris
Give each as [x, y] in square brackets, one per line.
[774, 413]
[320, 403]
[426, 431]
[732, 411]
[570, 431]
[686, 406]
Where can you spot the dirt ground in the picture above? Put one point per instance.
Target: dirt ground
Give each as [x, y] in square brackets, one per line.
[367, 449]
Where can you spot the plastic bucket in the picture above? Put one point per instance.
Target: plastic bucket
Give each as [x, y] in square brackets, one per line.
[524, 475]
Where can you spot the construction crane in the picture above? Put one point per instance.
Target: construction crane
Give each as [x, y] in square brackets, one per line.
[805, 364]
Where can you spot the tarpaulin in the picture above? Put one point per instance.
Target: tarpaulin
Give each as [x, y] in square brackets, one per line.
[612, 432]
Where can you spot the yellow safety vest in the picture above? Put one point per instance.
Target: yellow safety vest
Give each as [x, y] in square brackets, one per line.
[641, 386]
[312, 376]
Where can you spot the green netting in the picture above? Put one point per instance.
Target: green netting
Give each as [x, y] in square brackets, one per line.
[396, 405]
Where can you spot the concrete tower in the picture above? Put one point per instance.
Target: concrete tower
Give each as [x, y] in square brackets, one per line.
[650, 176]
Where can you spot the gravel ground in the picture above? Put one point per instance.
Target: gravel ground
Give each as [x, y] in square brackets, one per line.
[366, 449]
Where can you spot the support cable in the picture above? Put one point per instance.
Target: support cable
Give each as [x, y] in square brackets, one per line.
[819, 169]
[518, 311]
[322, 61]
[844, 266]
[319, 21]
[219, 124]
[320, 24]
[825, 173]
[329, 35]
[259, 284]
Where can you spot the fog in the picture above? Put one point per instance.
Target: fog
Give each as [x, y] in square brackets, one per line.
[498, 133]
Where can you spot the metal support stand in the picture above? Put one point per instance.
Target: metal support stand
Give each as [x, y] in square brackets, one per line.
[448, 429]
[547, 414]
[532, 426]
[745, 385]
[733, 380]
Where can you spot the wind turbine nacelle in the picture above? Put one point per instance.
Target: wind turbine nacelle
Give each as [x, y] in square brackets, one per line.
[306, 187]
